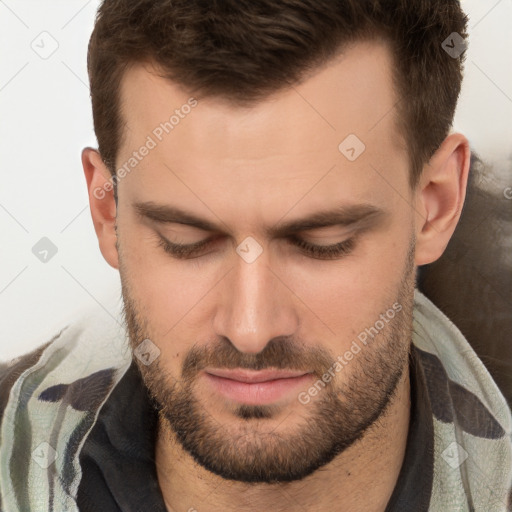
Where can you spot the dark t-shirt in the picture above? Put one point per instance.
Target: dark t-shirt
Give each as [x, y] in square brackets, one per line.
[118, 462]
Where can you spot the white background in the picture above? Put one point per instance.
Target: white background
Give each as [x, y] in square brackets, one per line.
[45, 121]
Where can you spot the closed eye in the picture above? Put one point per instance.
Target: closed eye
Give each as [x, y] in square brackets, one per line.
[323, 252]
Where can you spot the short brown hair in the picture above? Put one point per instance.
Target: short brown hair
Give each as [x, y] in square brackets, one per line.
[243, 50]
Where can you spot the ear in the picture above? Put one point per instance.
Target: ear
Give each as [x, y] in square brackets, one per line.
[102, 204]
[440, 196]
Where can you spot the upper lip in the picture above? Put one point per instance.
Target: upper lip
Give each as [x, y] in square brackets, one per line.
[255, 376]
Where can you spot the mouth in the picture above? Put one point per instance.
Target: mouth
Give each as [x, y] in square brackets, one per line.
[256, 387]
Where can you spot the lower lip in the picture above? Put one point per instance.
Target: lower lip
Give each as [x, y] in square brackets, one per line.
[258, 393]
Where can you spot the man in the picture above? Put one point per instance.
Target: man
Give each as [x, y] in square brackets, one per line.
[281, 170]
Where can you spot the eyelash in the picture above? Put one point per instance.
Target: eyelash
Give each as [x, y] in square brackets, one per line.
[326, 251]
[323, 252]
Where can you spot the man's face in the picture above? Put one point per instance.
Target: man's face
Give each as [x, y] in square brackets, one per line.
[252, 299]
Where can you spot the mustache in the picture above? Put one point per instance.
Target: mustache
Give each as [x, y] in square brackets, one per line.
[280, 353]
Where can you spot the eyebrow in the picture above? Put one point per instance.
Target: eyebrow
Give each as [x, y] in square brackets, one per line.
[344, 215]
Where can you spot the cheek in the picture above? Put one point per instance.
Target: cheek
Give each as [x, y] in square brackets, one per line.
[164, 289]
[166, 296]
[349, 295]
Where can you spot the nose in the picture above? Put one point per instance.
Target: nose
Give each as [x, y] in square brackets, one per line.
[255, 305]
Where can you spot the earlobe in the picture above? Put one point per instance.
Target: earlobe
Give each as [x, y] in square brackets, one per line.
[440, 197]
[102, 204]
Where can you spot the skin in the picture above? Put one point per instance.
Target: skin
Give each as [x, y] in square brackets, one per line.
[246, 169]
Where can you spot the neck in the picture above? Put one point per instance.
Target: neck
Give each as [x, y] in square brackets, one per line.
[361, 478]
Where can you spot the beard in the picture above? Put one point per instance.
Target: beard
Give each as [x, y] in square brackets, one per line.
[256, 448]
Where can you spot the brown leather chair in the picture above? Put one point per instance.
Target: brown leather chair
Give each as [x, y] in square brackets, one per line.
[472, 282]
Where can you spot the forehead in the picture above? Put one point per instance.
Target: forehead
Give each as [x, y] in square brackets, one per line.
[292, 136]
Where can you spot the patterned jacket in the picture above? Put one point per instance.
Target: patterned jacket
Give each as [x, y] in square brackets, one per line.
[77, 425]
